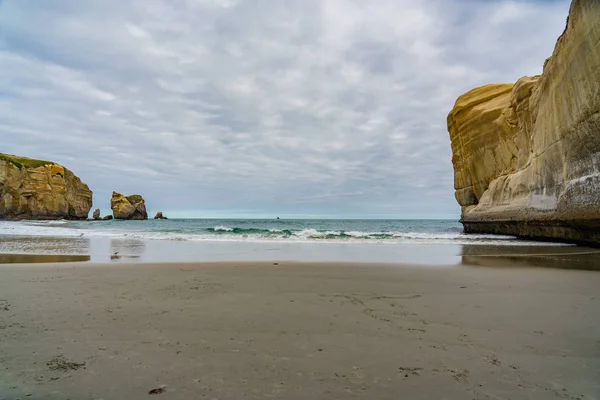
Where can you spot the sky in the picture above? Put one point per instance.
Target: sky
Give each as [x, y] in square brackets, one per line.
[255, 108]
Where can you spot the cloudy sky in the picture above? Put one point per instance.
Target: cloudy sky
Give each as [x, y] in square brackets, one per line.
[256, 108]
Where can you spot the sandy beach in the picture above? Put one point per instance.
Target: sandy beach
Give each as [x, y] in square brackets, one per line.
[300, 200]
[297, 331]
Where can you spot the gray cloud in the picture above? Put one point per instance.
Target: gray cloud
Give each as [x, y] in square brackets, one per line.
[256, 108]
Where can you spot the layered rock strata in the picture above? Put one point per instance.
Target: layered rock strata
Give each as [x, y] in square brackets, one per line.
[128, 207]
[37, 189]
[527, 156]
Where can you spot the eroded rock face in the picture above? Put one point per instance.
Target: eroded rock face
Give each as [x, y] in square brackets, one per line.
[128, 207]
[96, 215]
[36, 189]
[527, 156]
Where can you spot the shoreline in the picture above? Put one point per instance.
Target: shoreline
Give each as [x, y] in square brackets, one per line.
[125, 251]
[584, 260]
[297, 330]
[132, 249]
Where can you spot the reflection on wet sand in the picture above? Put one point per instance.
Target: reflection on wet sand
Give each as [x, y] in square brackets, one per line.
[39, 258]
[126, 249]
[44, 245]
[562, 257]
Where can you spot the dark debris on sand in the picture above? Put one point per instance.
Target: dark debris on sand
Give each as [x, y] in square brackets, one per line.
[60, 363]
[158, 390]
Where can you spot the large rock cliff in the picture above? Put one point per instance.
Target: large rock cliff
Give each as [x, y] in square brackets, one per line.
[527, 156]
[36, 189]
[128, 207]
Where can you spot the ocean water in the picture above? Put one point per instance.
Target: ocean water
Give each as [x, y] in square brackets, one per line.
[253, 230]
[193, 240]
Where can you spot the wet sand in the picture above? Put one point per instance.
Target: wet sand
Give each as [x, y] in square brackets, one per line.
[40, 258]
[127, 250]
[297, 331]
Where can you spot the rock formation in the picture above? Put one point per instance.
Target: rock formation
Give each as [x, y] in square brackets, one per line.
[527, 156]
[130, 207]
[37, 189]
[159, 215]
[107, 218]
[96, 215]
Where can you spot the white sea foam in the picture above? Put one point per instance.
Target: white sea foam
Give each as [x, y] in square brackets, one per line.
[357, 234]
[306, 233]
[37, 228]
[221, 228]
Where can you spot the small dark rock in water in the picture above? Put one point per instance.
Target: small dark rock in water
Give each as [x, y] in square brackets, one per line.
[275, 263]
[158, 390]
[159, 215]
[107, 218]
[96, 214]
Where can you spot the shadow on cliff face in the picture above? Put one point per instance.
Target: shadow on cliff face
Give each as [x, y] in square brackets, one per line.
[562, 257]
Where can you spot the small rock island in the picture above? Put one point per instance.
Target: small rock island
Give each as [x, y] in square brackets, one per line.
[159, 215]
[131, 207]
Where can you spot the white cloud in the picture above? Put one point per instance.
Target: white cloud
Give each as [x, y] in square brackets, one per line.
[333, 107]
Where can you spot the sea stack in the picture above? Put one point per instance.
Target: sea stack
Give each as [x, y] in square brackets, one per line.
[128, 207]
[159, 215]
[526, 156]
[38, 189]
[96, 215]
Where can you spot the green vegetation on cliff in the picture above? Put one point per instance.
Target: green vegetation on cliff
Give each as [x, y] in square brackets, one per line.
[40, 189]
[134, 198]
[21, 162]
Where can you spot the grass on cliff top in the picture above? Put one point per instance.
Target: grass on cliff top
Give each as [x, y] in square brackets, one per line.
[20, 162]
[134, 198]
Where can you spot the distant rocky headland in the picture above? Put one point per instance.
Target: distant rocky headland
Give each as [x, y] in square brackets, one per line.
[45, 190]
[38, 189]
[526, 156]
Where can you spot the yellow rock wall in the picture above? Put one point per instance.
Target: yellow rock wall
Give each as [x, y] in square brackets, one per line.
[132, 207]
[527, 156]
[45, 192]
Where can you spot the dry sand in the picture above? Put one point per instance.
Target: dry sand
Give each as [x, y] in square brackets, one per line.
[298, 331]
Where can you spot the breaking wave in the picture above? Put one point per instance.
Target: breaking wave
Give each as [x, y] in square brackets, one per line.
[190, 230]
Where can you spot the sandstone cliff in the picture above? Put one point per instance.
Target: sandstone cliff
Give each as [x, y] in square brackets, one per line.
[527, 156]
[36, 189]
[130, 207]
